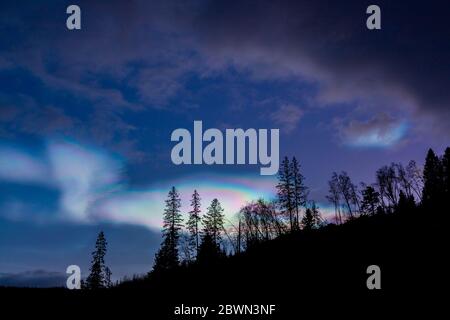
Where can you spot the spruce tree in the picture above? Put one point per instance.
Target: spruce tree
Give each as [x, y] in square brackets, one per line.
[285, 191]
[308, 220]
[167, 256]
[311, 219]
[194, 223]
[299, 190]
[370, 201]
[209, 251]
[213, 222]
[432, 192]
[96, 278]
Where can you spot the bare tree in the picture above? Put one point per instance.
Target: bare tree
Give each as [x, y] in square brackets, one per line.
[388, 186]
[348, 192]
[334, 196]
[259, 221]
[415, 177]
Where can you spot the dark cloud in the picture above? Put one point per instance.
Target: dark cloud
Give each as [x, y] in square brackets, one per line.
[126, 59]
[35, 278]
[326, 42]
[137, 55]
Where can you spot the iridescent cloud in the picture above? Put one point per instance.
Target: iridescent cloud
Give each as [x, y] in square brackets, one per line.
[146, 206]
[23, 167]
[91, 185]
[82, 174]
[380, 131]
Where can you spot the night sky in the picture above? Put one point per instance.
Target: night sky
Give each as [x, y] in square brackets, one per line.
[86, 115]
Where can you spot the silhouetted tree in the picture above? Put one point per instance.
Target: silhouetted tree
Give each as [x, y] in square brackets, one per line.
[334, 196]
[395, 178]
[388, 186]
[285, 191]
[213, 222]
[343, 194]
[370, 201]
[187, 251]
[259, 221]
[348, 192]
[194, 223]
[167, 256]
[311, 219]
[415, 179]
[96, 278]
[299, 190]
[209, 251]
[433, 181]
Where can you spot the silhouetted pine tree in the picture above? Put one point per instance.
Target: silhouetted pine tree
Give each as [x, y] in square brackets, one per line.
[433, 181]
[194, 223]
[96, 278]
[209, 251]
[299, 190]
[285, 191]
[370, 201]
[213, 222]
[311, 218]
[167, 256]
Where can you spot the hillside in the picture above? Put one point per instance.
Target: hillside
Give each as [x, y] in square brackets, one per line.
[318, 271]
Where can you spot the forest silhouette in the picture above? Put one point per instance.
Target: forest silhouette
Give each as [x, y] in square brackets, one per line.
[284, 252]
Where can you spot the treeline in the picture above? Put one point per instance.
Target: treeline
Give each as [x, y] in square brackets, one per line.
[397, 189]
[209, 237]
[201, 238]
[206, 238]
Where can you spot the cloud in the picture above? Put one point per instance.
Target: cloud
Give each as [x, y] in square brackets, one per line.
[287, 117]
[22, 167]
[34, 278]
[140, 55]
[131, 45]
[145, 206]
[327, 44]
[379, 131]
[82, 174]
[93, 188]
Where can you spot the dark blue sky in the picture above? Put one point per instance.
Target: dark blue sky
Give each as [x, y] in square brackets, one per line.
[86, 115]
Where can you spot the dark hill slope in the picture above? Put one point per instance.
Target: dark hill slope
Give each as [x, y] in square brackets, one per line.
[322, 271]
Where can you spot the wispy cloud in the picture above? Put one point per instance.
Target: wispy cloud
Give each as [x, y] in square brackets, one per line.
[382, 130]
[18, 166]
[82, 174]
[287, 117]
[93, 188]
